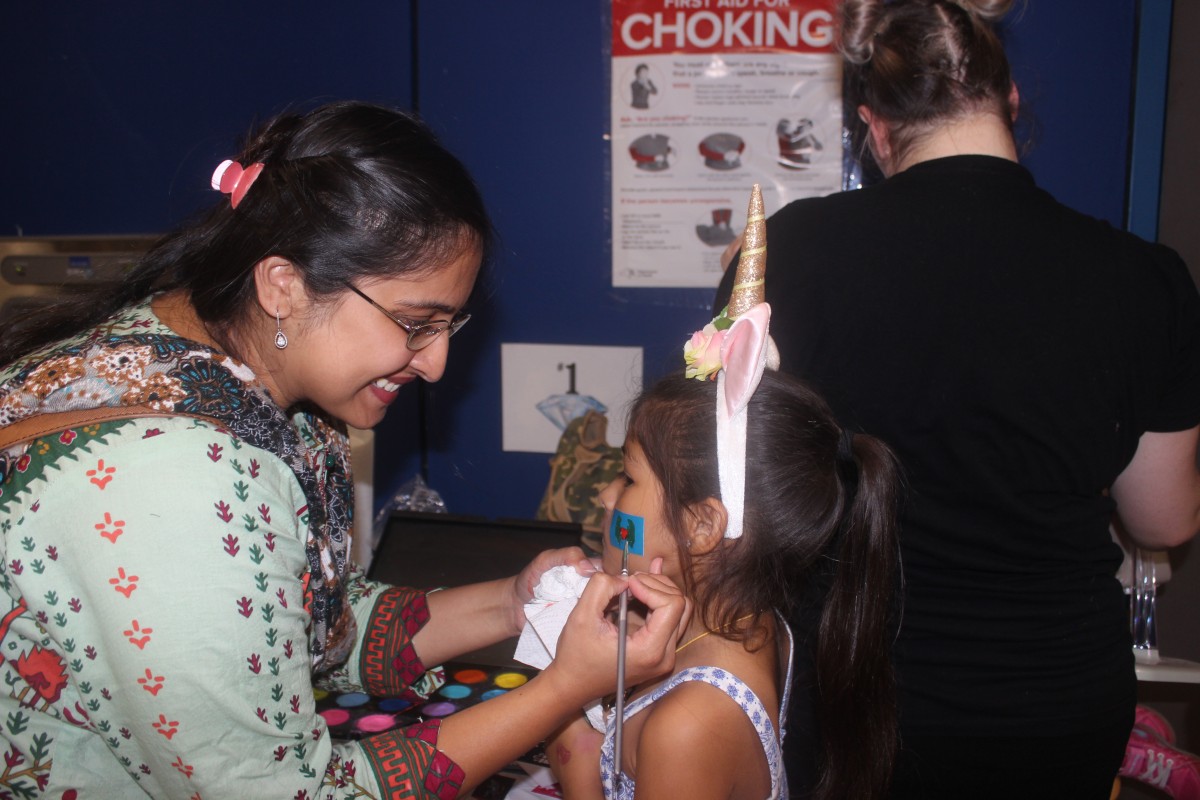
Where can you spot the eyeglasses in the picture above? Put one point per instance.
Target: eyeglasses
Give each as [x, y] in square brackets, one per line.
[421, 334]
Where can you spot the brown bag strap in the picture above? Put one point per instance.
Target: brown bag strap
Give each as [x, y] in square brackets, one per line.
[39, 425]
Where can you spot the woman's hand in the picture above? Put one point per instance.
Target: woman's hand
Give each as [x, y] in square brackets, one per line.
[585, 666]
[524, 582]
[465, 618]
[574, 754]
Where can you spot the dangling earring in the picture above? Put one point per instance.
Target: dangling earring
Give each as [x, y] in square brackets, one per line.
[280, 336]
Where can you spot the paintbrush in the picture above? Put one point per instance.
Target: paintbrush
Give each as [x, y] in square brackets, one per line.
[622, 629]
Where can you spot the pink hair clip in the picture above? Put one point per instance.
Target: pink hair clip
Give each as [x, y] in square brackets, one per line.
[232, 179]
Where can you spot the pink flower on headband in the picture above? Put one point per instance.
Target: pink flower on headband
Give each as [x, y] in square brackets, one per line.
[232, 179]
[702, 353]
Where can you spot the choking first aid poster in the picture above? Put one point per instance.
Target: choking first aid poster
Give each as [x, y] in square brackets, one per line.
[710, 97]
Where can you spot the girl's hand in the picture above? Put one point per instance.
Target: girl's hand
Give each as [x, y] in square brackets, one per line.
[586, 664]
[524, 582]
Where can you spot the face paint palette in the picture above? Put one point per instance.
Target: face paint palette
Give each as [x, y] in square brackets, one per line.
[353, 715]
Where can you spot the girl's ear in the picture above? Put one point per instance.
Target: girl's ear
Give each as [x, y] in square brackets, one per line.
[707, 526]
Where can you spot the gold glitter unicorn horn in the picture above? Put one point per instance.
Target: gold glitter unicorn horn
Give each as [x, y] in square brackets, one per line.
[748, 283]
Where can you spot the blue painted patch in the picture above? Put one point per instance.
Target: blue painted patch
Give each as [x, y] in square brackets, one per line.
[627, 528]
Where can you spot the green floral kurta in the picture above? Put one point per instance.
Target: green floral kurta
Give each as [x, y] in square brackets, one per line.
[158, 635]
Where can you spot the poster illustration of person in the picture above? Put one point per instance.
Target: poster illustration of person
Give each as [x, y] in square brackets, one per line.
[642, 87]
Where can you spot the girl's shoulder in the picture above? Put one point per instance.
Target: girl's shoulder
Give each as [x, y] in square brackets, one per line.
[693, 713]
[710, 717]
[748, 679]
[729, 700]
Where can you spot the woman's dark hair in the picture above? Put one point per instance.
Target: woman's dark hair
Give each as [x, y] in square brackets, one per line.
[812, 517]
[349, 191]
[918, 63]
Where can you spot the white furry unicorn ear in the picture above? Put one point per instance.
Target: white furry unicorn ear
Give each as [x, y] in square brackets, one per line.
[744, 356]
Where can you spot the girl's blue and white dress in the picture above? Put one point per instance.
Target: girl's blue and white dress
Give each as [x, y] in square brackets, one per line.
[625, 787]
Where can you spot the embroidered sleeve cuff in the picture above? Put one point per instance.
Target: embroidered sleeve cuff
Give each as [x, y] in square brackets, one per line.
[408, 764]
[389, 663]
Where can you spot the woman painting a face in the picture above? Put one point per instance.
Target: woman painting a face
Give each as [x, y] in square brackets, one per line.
[175, 474]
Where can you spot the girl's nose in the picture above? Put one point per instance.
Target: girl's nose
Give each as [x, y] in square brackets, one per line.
[609, 494]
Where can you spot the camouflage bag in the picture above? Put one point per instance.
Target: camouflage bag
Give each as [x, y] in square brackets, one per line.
[582, 466]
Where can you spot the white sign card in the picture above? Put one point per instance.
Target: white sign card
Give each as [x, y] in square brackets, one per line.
[545, 386]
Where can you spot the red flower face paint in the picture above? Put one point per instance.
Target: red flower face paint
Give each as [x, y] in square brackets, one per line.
[627, 529]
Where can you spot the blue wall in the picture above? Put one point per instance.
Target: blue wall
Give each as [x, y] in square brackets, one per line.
[114, 118]
[114, 115]
[1073, 64]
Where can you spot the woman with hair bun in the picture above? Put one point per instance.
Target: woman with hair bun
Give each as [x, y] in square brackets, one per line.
[1036, 371]
[176, 497]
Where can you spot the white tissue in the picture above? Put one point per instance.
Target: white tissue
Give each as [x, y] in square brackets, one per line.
[553, 599]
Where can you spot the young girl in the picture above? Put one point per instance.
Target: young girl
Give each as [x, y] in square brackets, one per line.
[793, 515]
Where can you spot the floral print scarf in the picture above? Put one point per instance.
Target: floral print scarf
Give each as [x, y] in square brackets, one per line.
[133, 359]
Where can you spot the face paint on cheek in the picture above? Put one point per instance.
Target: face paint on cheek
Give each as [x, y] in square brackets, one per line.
[627, 529]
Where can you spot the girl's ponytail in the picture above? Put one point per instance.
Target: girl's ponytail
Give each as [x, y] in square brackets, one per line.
[856, 691]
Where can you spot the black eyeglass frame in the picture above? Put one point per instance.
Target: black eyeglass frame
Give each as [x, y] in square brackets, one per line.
[420, 334]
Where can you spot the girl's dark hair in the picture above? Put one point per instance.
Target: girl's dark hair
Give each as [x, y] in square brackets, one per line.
[811, 517]
[349, 190]
[917, 63]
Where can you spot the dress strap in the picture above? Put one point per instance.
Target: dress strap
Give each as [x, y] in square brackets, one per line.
[39, 425]
[787, 650]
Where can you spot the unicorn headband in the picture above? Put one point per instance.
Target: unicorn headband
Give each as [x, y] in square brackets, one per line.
[735, 348]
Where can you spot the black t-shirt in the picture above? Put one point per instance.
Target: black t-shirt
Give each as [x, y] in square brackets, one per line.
[1012, 352]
